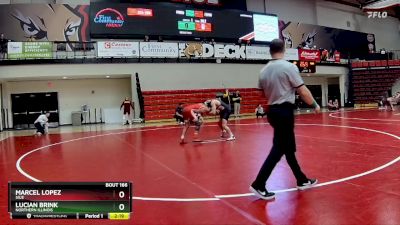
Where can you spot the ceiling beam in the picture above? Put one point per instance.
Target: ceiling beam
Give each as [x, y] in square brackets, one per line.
[346, 3]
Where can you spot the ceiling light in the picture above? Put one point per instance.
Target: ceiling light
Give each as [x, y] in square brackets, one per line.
[107, 76]
[65, 77]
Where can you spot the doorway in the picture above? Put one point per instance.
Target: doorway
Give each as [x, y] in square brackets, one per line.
[316, 91]
[26, 107]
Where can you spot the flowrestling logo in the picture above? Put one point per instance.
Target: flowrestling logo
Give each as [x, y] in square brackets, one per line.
[376, 14]
[112, 18]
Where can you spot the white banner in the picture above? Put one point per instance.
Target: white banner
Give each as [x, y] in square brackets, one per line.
[258, 52]
[159, 50]
[200, 50]
[14, 47]
[117, 49]
[292, 54]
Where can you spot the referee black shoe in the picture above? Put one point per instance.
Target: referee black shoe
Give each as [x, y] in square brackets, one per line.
[308, 184]
[263, 194]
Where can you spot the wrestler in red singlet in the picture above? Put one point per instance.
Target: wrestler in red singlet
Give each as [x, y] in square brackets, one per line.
[187, 111]
[192, 114]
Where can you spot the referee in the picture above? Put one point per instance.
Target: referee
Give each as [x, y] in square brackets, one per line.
[280, 80]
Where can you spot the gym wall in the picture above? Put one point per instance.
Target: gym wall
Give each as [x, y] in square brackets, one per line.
[158, 76]
[72, 94]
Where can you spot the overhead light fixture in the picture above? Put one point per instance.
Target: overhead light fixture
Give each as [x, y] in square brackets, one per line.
[65, 78]
[107, 76]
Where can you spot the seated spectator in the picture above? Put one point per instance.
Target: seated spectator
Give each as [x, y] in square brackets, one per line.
[330, 105]
[160, 39]
[146, 38]
[382, 104]
[179, 113]
[336, 104]
[260, 111]
[213, 42]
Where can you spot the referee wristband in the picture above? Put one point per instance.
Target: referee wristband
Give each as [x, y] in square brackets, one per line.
[314, 104]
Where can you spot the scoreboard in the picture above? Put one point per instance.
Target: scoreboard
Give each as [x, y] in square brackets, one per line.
[50, 200]
[305, 66]
[109, 20]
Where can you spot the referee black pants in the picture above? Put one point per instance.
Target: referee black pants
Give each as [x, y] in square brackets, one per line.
[281, 118]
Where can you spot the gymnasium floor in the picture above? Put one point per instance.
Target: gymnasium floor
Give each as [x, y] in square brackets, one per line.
[354, 155]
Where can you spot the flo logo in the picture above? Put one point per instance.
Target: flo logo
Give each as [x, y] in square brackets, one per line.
[379, 15]
[112, 18]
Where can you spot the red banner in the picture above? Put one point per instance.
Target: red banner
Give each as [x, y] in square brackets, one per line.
[309, 55]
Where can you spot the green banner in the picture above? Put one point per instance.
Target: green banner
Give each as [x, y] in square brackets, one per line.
[30, 50]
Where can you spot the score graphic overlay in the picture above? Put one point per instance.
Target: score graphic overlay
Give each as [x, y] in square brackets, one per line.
[193, 21]
[66, 200]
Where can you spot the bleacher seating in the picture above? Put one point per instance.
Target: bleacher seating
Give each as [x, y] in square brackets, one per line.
[373, 79]
[161, 105]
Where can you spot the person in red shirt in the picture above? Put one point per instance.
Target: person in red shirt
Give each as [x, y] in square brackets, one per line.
[127, 105]
[193, 115]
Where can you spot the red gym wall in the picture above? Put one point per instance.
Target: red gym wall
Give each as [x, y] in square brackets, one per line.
[161, 104]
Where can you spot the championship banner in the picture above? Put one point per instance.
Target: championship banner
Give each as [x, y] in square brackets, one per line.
[30, 50]
[159, 50]
[258, 52]
[117, 49]
[309, 55]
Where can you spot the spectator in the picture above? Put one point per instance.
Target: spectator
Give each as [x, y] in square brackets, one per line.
[336, 104]
[160, 39]
[226, 97]
[382, 104]
[213, 42]
[236, 98]
[331, 106]
[260, 111]
[41, 124]
[179, 114]
[248, 42]
[3, 46]
[146, 38]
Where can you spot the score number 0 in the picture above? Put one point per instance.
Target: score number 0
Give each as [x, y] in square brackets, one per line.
[121, 194]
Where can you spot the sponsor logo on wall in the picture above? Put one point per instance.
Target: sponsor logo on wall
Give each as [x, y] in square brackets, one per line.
[257, 52]
[199, 50]
[30, 50]
[291, 54]
[159, 50]
[110, 17]
[309, 55]
[117, 49]
[229, 51]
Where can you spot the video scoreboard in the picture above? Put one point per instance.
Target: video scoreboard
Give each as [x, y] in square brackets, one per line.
[49, 200]
[193, 21]
[109, 20]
